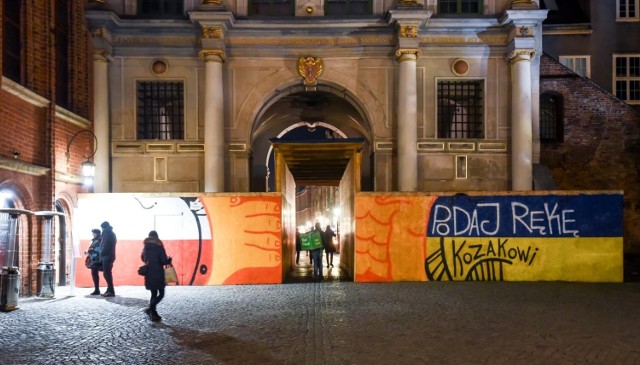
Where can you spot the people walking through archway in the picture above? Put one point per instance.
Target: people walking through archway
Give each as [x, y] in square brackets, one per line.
[329, 246]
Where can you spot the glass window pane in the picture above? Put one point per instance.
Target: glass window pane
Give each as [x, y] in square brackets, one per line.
[621, 66]
[11, 53]
[634, 90]
[622, 9]
[549, 117]
[272, 8]
[448, 6]
[634, 66]
[160, 110]
[621, 90]
[460, 109]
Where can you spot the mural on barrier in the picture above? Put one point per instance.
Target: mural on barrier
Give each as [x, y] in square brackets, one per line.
[391, 237]
[226, 239]
[511, 237]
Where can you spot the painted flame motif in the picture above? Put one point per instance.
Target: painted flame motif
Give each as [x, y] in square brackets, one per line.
[247, 239]
[391, 238]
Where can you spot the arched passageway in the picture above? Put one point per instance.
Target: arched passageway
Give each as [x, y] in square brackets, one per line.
[314, 120]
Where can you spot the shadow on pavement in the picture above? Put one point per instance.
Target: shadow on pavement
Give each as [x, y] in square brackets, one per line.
[228, 349]
[128, 302]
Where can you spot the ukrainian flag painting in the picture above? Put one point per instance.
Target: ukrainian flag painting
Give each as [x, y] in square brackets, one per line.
[563, 237]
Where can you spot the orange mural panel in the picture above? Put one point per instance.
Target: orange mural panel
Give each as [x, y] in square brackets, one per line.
[391, 237]
[246, 239]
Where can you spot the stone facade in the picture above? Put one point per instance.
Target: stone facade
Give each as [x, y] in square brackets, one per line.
[361, 83]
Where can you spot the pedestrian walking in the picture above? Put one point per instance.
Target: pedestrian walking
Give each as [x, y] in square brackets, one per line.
[329, 247]
[94, 259]
[155, 258]
[298, 246]
[108, 256]
[316, 255]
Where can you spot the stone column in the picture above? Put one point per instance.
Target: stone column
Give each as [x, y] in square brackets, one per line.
[521, 120]
[213, 122]
[101, 121]
[407, 120]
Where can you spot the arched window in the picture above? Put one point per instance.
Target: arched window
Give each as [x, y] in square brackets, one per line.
[11, 46]
[551, 117]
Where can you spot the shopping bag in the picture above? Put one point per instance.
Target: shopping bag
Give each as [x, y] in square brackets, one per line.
[170, 275]
[310, 240]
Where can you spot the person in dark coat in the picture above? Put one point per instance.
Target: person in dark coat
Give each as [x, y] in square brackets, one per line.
[155, 256]
[108, 256]
[317, 256]
[298, 246]
[329, 246]
[94, 254]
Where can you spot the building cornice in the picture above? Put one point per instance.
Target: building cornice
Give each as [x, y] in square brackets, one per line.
[23, 93]
[64, 114]
[22, 167]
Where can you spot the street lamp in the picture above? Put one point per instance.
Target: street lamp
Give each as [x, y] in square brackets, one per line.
[88, 167]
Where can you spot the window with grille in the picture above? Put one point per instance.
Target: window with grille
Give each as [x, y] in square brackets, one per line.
[272, 7]
[161, 8]
[160, 109]
[626, 80]
[627, 10]
[11, 47]
[348, 7]
[459, 7]
[460, 109]
[578, 64]
[551, 126]
[62, 52]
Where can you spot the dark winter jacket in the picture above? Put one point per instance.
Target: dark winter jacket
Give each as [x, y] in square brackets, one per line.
[155, 257]
[94, 251]
[108, 246]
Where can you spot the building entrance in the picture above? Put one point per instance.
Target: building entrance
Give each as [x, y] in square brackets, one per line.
[318, 181]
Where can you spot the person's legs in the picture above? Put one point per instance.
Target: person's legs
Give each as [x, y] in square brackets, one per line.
[317, 264]
[96, 280]
[327, 254]
[156, 297]
[152, 301]
[297, 257]
[331, 259]
[107, 266]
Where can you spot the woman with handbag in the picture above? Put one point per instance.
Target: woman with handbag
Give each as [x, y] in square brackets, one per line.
[155, 258]
[93, 260]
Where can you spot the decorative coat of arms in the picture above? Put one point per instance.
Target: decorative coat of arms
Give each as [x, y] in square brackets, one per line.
[310, 69]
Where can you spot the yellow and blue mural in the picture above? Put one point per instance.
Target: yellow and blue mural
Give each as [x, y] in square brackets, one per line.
[511, 237]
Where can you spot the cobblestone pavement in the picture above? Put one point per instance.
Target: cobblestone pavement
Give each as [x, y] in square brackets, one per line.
[333, 323]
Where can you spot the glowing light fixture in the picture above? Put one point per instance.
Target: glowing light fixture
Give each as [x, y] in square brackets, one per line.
[88, 167]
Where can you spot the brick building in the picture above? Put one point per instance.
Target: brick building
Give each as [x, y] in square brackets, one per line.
[45, 130]
[590, 140]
